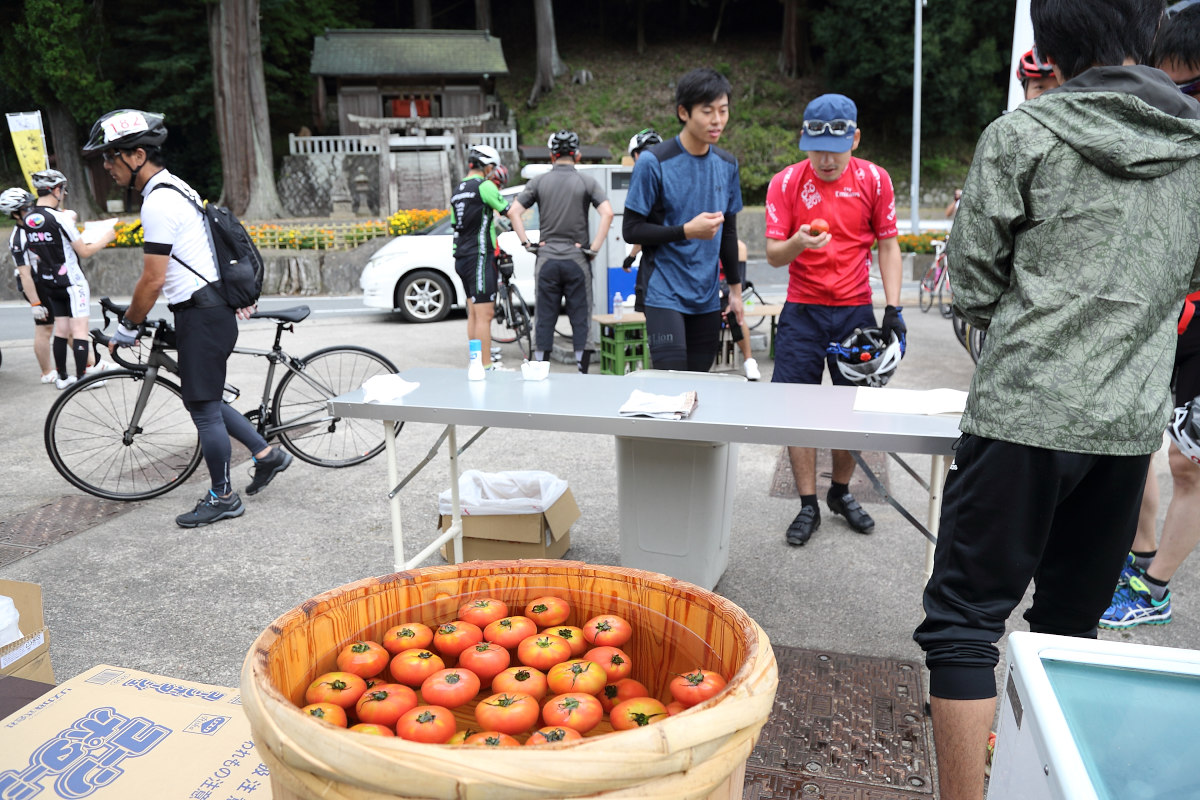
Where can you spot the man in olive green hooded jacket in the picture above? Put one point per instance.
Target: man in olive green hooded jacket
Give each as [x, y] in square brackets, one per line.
[1077, 238]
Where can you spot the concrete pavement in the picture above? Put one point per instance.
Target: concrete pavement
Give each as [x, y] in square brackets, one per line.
[139, 592]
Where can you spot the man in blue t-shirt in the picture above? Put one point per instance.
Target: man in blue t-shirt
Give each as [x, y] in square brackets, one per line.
[681, 207]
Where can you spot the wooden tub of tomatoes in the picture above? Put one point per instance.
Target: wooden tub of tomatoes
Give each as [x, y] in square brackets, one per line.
[506, 680]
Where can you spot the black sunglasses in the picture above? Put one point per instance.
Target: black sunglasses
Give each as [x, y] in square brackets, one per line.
[1178, 7]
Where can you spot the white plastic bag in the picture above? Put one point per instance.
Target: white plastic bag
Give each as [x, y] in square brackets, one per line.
[516, 492]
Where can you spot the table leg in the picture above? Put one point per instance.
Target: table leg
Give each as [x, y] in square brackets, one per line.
[937, 480]
[393, 468]
[455, 505]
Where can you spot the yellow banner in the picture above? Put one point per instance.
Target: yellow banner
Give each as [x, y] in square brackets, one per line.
[29, 141]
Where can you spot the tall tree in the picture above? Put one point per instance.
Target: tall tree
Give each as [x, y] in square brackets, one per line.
[50, 53]
[549, 65]
[422, 14]
[794, 58]
[240, 106]
[483, 15]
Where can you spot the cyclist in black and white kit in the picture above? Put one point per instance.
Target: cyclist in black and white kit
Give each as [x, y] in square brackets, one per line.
[53, 249]
[563, 269]
[205, 326]
[13, 202]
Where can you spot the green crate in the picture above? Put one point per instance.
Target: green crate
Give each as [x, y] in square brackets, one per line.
[623, 348]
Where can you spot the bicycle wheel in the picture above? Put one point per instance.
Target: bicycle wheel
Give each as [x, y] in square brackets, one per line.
[502, 330]
[929, 284]
[960, 329]
[521, 321]
[300, 412]
[88, 440]
[946, 306]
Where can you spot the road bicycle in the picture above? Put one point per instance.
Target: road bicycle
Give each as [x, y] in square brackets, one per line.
[124, 434]
[936, 283]
[969, 336]
[511, 321]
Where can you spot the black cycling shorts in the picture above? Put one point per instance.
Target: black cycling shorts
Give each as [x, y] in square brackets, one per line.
[1185, 380]
[478, 275]
[205, 338]
[42, 298]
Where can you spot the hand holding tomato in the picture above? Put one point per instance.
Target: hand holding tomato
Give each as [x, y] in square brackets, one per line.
[816, 235]
[817, 227]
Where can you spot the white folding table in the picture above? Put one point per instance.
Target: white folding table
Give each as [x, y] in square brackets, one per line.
[728, 411]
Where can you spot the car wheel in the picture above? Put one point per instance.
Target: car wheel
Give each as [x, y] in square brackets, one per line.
[424, 297]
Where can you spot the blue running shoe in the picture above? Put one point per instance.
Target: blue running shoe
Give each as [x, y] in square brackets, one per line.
[1128, 570]
[1134, 605]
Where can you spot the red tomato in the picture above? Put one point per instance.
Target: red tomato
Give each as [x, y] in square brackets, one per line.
[576, 675]
[375, 730]
[340, 688]
[509, 632]
[674, 707]
[547, 611]
[695, 687]
[454, 637]
[486, 660]
[327, 712]
[460, 737]
[543, 650]
[607, 629]
[412, 667]
[574, 637]
[636, 713]
[817, 227]
[552, 734]
[508, 713]
[384, 704]
[482, 611]
[525, 680]
[408, 636]
[612, 660]
[624, 689]
[492, 739]
[450, 687]
[364, 659]
[573, 710]
[429, 724]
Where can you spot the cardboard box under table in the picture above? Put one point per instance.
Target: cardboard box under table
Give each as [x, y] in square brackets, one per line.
[538, 534]
[29, 656]
[118, 733]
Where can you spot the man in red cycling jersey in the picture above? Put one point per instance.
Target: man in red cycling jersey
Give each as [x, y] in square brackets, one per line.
[829, 291]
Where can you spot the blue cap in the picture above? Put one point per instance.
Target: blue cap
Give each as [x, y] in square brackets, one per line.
[826, 108]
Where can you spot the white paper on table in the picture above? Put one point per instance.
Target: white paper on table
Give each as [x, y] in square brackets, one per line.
[659, 406]
[94, 229]
[910, 401]
[385, 388]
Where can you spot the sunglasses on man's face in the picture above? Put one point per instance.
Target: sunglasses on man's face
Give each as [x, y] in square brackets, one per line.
[110, 156]
[836, 127]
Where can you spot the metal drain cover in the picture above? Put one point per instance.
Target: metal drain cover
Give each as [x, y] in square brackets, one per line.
[844, 727]
[32, 530]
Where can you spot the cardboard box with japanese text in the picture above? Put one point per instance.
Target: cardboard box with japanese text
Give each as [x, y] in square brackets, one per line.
[29, 656]
[118, 733]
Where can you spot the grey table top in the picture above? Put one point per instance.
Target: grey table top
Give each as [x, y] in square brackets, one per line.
[729, 410]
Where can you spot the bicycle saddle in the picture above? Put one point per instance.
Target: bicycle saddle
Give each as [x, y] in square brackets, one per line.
[296, 314]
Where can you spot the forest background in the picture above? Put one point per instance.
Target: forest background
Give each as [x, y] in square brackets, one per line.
[76, 59]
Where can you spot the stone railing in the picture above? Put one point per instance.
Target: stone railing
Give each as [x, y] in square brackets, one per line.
[312, 145]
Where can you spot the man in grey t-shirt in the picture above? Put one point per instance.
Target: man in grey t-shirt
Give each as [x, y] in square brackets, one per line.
[563, 270]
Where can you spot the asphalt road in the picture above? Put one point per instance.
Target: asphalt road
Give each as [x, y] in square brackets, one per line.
[136, 591]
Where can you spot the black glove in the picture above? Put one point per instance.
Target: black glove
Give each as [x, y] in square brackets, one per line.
[627, 264]
[893, 322]
[532, 247]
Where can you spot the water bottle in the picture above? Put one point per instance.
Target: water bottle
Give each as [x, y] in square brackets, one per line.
[475, 366]
[618, 307]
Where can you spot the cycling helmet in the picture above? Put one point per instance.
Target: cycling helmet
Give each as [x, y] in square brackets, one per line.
[865, 358]
[643, 139]
[1030, 66]
[126, 129]
[1185, 432]
[48, 179]
[563, 143]
[499, 176]
[483, 156]
[13, 200]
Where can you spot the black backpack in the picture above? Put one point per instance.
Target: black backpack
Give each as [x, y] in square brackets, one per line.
[238, 260]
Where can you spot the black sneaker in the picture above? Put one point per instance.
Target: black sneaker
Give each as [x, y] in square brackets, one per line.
[211, 509]
[267, 467]
[802, 527]
[849, 508]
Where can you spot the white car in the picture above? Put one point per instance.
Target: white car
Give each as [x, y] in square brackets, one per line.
[414, 274]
